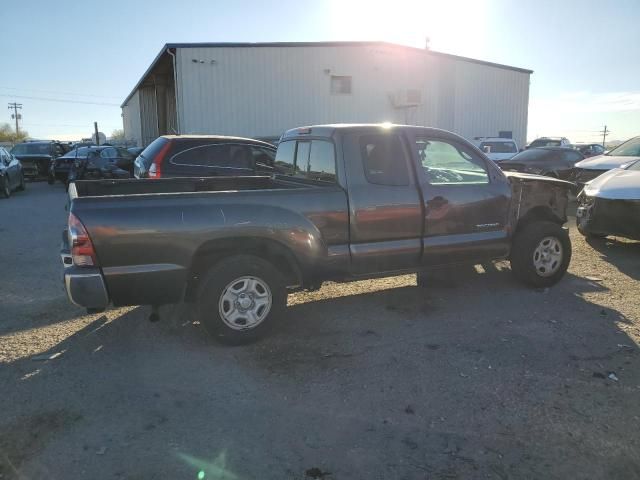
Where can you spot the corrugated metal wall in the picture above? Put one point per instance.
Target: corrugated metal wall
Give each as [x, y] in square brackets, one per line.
[148, 114]
[262, 91]
[131, 120]
[488, 100]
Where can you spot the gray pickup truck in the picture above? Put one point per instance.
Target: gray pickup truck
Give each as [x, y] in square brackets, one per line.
[346, 202]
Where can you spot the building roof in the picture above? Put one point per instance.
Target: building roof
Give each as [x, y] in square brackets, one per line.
[313, 44]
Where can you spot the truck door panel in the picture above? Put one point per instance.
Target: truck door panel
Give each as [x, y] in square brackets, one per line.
[385, 204]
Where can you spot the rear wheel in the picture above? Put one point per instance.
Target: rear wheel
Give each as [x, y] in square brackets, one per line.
[540, 254]
[5, 187]
[240, 298]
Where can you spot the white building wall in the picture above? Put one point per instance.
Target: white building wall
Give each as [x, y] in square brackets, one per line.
[262, 91]
[488, 100]
[131, 120]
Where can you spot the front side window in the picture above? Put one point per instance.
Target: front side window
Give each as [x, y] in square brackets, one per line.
[384, 159]
[446, 163]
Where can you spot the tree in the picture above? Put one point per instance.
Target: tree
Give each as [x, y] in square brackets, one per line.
[7, 134]
[117, 134]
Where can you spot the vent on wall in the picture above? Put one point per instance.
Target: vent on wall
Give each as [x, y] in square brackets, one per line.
[410, 97]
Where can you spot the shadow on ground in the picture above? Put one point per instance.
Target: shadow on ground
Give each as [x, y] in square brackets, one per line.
[623, 253]
[472, 377]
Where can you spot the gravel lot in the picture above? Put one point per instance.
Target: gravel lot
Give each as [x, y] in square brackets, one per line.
[474, 377]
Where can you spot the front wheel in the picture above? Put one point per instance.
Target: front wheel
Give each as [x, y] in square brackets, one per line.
[239, 299]
[540, 254]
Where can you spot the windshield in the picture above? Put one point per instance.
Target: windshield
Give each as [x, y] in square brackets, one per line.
[545, 142]
[630, 148]
[499, 147]
[31, 149]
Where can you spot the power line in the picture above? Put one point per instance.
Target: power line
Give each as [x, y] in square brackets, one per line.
[61, 100]
[57, 92]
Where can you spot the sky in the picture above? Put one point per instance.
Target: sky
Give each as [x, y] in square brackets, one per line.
[71, 63]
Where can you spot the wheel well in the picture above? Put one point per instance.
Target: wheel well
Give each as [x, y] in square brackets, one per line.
[272, 251]
[537, 214]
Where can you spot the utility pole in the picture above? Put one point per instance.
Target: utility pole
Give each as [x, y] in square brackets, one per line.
[604, 133]
[15, 115]
[95, 126]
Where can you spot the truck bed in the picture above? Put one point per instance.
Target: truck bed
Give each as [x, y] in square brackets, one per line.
[102, 188]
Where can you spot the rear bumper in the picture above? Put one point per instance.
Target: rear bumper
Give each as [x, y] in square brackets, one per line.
[86, 288]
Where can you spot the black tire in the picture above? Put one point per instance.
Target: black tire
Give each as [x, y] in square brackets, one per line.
[5, 188]
[220, 279]
[523, 254]
[22, 185]
[51, 179]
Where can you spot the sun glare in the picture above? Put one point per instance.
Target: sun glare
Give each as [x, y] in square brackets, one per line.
[454, 26]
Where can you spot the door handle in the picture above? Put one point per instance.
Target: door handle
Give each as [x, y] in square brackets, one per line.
[437, 202]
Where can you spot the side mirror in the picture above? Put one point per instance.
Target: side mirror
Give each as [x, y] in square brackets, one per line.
[605, 152]
[486, 149]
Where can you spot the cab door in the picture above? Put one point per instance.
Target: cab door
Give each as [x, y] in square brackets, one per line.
[466, 201]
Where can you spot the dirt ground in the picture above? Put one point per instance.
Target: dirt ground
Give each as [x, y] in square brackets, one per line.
[473, 377]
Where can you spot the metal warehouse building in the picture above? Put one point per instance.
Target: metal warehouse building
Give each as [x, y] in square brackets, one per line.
[262, 89]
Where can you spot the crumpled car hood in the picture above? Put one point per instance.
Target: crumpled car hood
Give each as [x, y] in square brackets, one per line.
[523, 177]
[604, 162]
[616, 184]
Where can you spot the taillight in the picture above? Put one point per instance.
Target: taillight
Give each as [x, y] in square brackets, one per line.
[155, 169]
[82, 250]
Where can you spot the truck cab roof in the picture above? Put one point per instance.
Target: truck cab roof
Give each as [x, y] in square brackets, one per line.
[330, 130]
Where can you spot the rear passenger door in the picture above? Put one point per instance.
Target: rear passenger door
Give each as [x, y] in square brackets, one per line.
[466, 202]
[385, 204]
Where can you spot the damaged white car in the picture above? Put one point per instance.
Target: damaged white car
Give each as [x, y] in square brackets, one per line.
[610, 204]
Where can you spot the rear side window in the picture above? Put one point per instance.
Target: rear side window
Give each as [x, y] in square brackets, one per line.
[322, 161]
[152, 150]
[221, 155]
[313, 160]
[284, 163]
[263, 158]
[384, 160]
